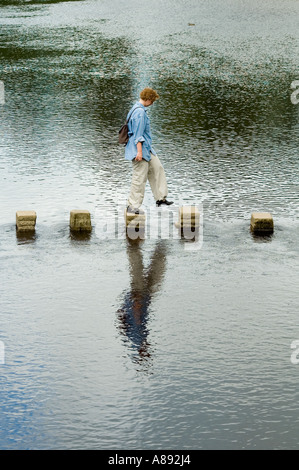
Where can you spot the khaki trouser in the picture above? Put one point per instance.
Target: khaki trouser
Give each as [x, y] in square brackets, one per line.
[143, 171]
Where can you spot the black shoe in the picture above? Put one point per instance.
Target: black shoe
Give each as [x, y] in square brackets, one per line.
[163, 201]
[131, 210]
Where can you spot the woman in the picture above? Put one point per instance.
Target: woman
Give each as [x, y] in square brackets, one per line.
[146, 164]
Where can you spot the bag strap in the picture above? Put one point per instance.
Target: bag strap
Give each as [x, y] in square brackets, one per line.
[127, 120]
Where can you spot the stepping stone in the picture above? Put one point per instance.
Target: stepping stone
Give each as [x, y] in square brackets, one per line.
[261, 222]
[25, 221]
[188, 217]
[80, 221]
[135, 220]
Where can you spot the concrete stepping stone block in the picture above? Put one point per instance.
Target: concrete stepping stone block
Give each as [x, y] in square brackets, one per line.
[136, 220]
[135, 225]
[80, 221]
[189, 216]
[26, 221]
[261, 222]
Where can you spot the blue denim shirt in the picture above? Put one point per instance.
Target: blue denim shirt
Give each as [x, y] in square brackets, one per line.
[139, 131]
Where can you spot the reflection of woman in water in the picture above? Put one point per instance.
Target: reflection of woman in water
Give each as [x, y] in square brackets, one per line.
[133, 315]
[134, 321]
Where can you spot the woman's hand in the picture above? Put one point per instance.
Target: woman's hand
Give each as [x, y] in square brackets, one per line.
[138, 157]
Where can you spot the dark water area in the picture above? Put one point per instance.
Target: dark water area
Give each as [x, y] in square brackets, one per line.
[111, 343]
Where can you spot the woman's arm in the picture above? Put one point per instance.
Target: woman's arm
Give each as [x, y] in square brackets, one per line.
[139, 152]
[138, 127]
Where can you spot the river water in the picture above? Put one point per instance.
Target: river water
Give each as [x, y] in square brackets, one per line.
[158, 343]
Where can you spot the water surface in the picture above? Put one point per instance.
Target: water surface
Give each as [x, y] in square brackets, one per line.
[114, 344]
